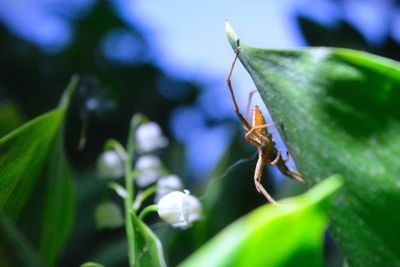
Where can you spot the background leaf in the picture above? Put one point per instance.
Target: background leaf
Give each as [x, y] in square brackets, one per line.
[287, 235]
[338, 112]
[91, 264]
[15, 243]
[10, 117]
[35, 185]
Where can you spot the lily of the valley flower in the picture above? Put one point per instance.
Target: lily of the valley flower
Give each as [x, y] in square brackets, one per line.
[110, 165]
[149, 137]
[167, 184]
[149, 170]
[179, 209]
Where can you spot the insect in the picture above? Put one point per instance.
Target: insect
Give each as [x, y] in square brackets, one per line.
[258, 135]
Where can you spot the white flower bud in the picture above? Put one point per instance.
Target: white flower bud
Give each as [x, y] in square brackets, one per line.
[179, 209]
[149, 170]
[149, 137]
[167, 184]
[108, 215]
[110, 165]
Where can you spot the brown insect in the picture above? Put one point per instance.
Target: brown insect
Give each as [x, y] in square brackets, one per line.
[258, 135]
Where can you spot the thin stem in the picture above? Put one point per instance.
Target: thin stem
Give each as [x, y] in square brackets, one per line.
[129, 185]
[147, 210]
[142, 196]
[128, 206]
[117, 147]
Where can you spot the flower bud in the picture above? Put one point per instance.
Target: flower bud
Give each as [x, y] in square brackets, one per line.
[110, 165]
[167, 184]
[149, 170]
[108, 215]
[149, 137]
[179, 209]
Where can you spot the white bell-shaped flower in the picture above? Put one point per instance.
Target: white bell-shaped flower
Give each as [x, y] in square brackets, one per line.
[108, 215]
[149, 137]
[149, 170]
[110, 165]
[179, 209]
[167, 184]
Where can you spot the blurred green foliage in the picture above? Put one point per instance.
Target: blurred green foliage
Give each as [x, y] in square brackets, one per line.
[10, 118]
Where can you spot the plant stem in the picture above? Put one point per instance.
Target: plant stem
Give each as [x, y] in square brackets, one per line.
[147, 210]
[142, 196]
[117, 147]
[128, 207]
[129, 185]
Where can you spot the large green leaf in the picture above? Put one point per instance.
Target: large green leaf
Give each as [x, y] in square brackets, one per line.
[36, 189]
[338, 112]
[290, 234]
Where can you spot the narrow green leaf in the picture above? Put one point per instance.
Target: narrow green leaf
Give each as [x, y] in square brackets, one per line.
[337, 111]
[148, 248]
[287, 235]
[35, 182]
[69, 92]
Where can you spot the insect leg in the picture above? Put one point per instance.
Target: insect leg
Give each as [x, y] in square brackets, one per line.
[278, 157]
[252, 140]
[249, 102]
[295, 175]
[258, 127]
[257, 178]
[245, 123]
[287, 157]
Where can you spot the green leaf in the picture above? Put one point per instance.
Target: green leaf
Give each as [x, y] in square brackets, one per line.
[36, 190]
[91, 264]
[338, 112]
[148, 248]
[290, 234]
[13, 242]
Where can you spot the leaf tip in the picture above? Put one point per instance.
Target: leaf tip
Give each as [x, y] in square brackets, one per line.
[232, 36]
[327, 188]
[69, 91]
